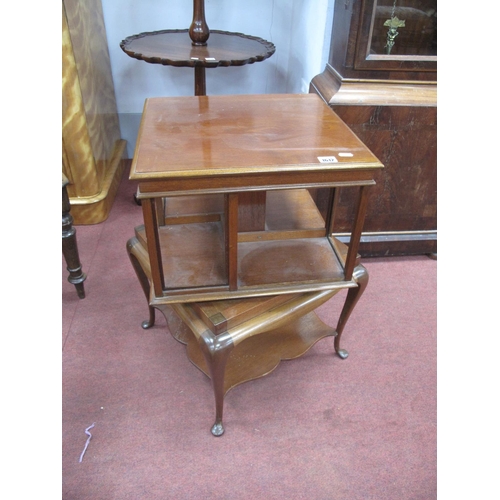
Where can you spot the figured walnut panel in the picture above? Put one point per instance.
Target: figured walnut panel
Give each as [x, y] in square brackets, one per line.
[404, 138]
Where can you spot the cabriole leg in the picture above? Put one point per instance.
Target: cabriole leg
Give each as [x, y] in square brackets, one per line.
[216, 351]
[360, 274]
[144, 281]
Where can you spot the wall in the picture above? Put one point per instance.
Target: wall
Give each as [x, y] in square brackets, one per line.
[300, 30]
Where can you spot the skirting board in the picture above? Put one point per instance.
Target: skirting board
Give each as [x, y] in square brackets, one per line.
[95, 209]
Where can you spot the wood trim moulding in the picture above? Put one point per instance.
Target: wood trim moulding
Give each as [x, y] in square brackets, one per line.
[384, 236]
[335, 90]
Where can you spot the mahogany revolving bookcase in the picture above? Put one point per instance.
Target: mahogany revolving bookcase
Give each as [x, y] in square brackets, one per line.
[234, 250]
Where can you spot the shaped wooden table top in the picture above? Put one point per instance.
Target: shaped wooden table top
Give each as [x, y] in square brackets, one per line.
[175, 48]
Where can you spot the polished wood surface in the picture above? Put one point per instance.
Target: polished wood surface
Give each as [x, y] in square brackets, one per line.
[300, 260]
[223, 315]
[175, 48]
[218, 135]
[199, 31]
[92, 156]
[336, 90]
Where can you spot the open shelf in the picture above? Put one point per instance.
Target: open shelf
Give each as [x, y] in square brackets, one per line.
[285, 210]
[192, 254]
[290, 261]
[292, 209]
[293, 252]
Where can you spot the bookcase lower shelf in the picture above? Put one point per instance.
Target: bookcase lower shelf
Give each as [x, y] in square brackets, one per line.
[237, 340]
[269, 348]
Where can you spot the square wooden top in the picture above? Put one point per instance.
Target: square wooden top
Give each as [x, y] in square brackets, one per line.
[204, 136]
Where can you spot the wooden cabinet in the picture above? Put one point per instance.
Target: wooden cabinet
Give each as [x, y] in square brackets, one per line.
[387, 94]
[92, 149]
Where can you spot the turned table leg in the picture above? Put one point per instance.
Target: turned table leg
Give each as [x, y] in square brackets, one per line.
[69, 245]
[360, 274]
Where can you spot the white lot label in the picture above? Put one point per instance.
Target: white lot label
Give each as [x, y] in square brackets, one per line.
[327, 159]
[347, 155]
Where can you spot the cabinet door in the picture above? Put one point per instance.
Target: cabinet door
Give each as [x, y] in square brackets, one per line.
[397, 35]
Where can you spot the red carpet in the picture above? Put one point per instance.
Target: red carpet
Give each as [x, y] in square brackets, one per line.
[317, 428]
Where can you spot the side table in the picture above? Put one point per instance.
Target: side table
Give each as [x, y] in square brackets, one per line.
[242, 255]
[197, 47]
